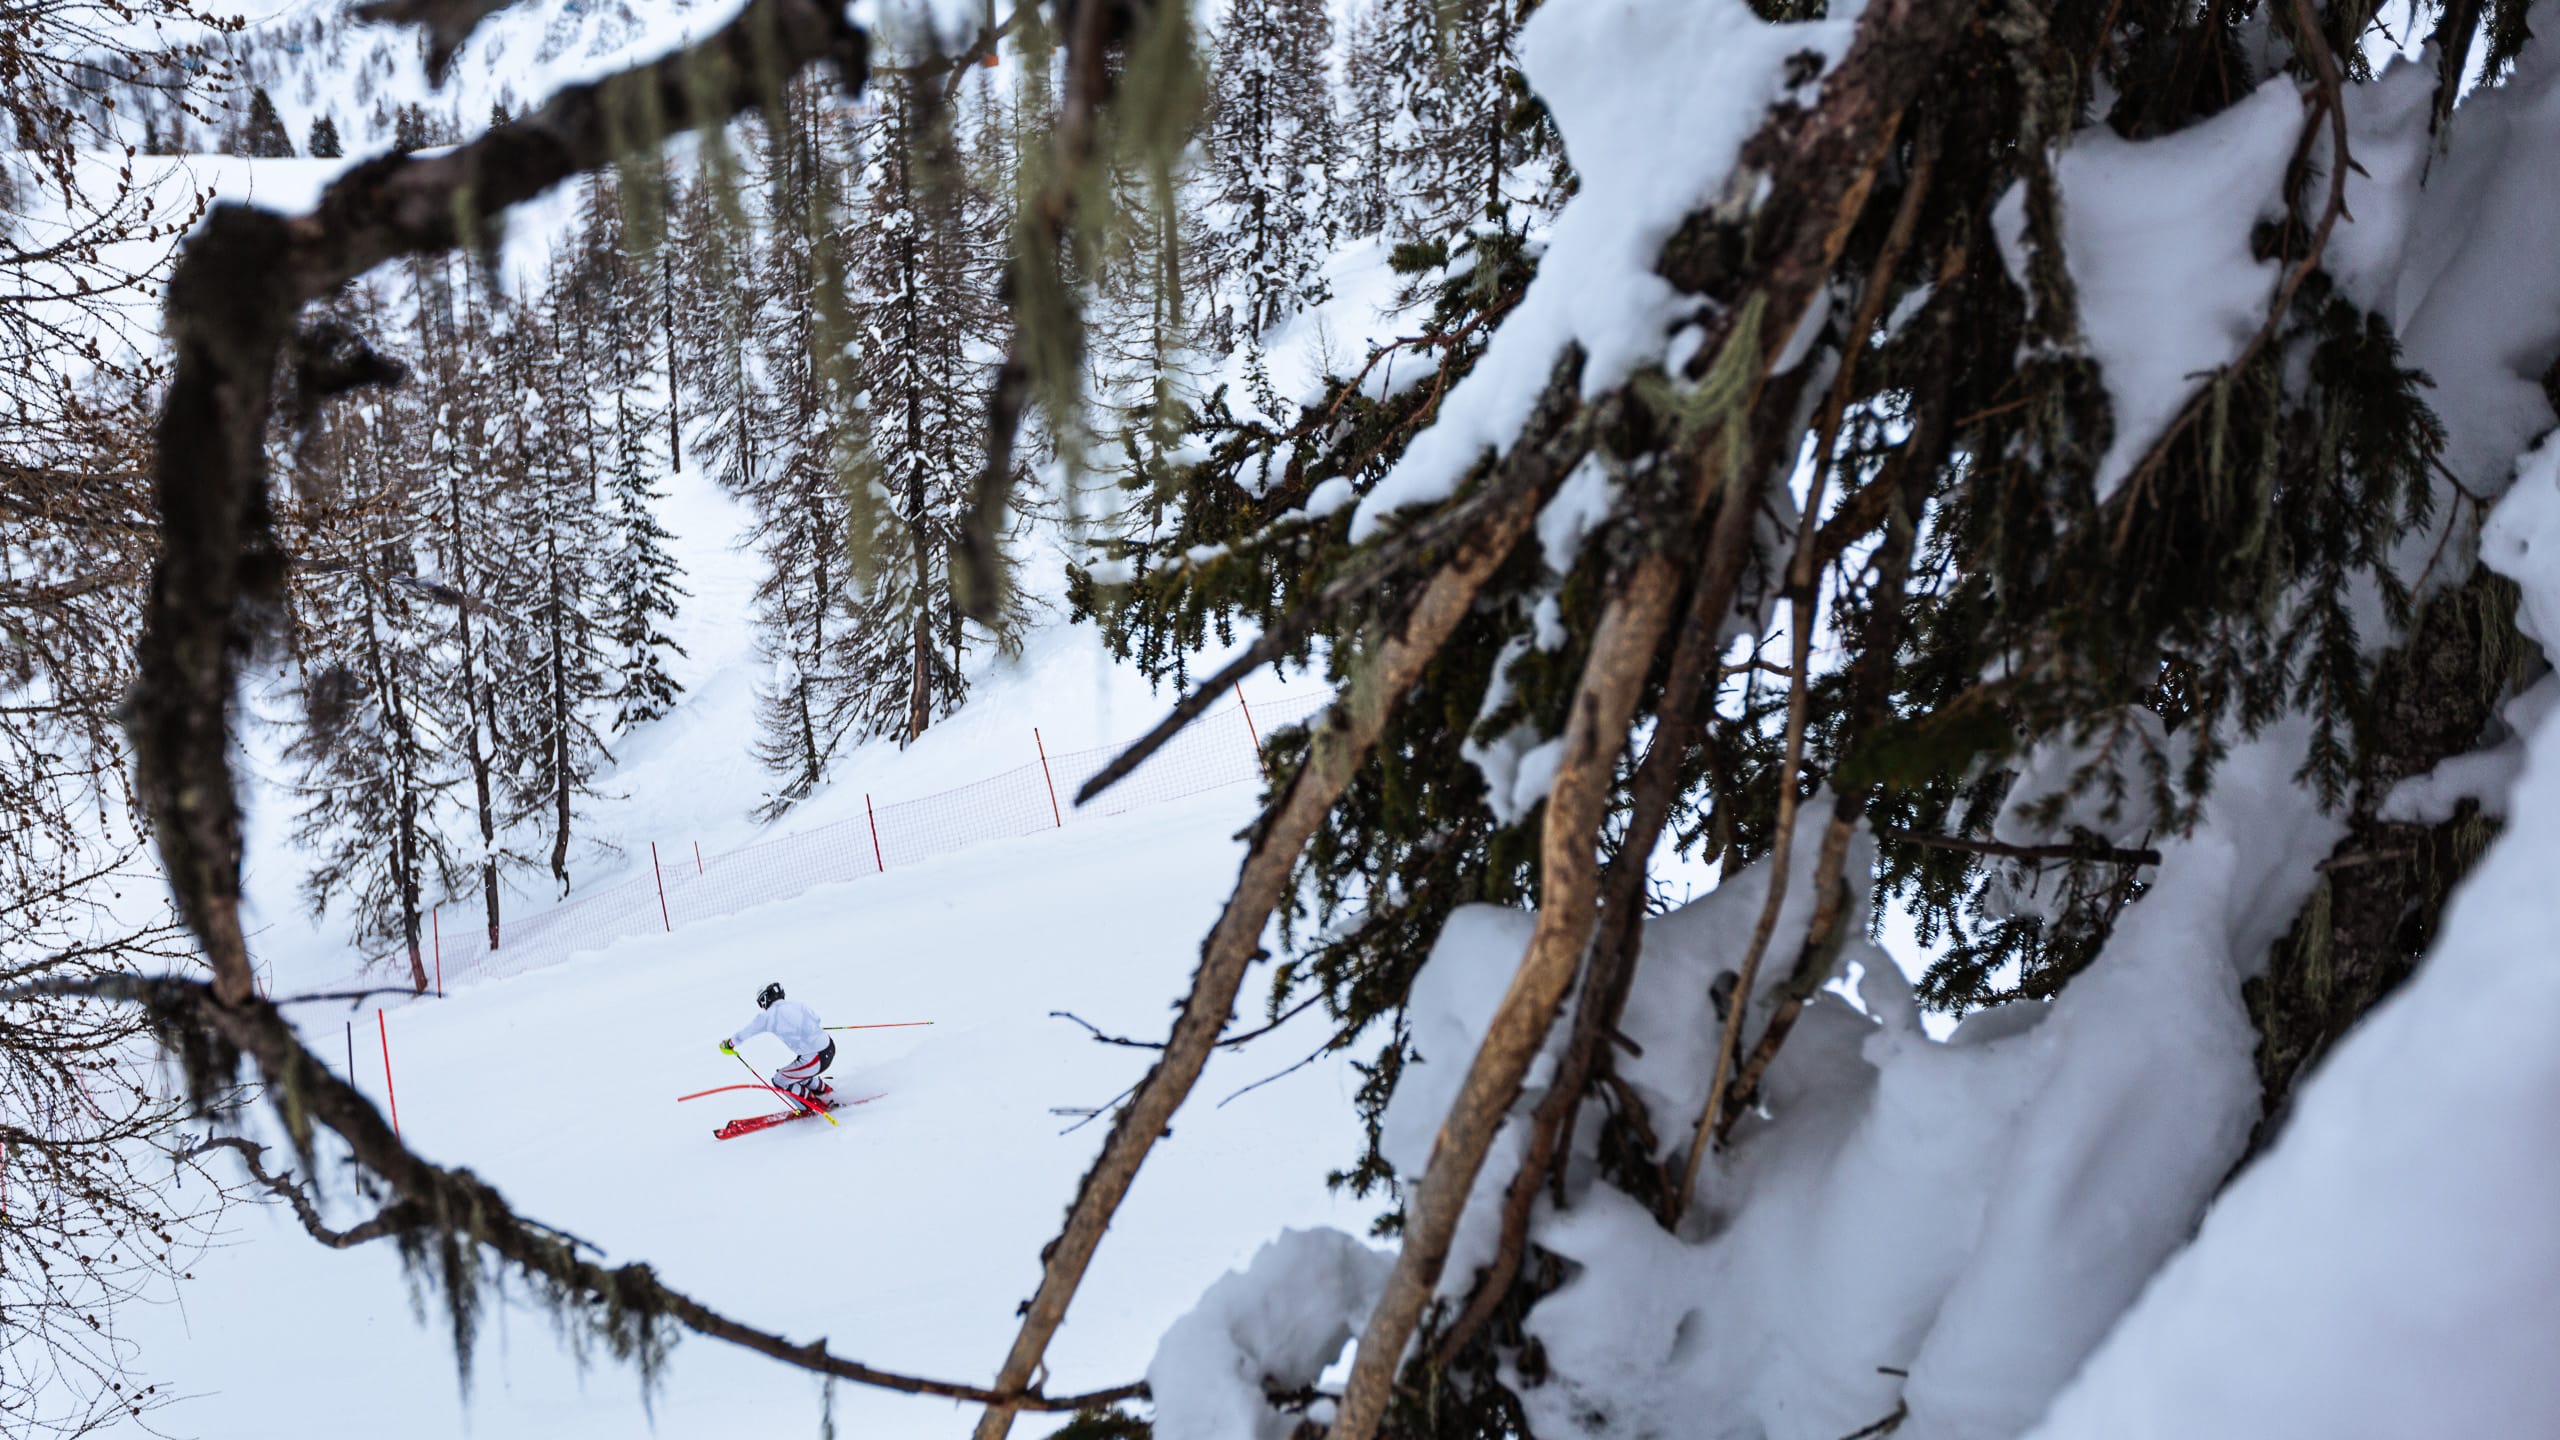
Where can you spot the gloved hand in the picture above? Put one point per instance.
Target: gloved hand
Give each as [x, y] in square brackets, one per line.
[728, 1049]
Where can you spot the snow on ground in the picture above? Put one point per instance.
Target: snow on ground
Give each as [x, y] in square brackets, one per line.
[906, 1236]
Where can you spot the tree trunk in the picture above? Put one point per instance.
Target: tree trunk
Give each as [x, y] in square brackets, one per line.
[404, 782]
[472, 707]
[563, 777]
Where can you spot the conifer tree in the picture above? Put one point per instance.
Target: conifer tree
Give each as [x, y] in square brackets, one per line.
[374, 754]
[470, 496]
[922, 300]
[1367, 185]
[324, 139]
[625, 290]
[785, 455]
[1461, 154]
[549, 695]
[1272, 146]
[262, 133]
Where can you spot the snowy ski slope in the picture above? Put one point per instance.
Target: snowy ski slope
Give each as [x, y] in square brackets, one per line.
[906, 1235]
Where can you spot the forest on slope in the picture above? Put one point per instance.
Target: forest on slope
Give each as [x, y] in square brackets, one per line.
[2070, 472]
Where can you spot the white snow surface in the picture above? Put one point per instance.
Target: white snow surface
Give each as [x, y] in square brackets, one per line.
[1280, 1320]
[905, 1235]
[2451, 242]
[2156, 235]
[1975, 1211]
[1654, 99]
[2389, 1267]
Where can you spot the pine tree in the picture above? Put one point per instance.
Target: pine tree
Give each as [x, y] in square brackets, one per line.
[470, 496]
[374, 753]
[626, 290]
[549, 694]
[1367, 187]
[1271, 150]
[324, 139]
[262, 133]
[777, 436]
[1462, 155]
[921, 298]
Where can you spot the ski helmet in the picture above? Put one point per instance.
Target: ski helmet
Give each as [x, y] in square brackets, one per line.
[766, 996]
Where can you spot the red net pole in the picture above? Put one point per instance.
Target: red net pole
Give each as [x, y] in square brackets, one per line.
[1248, 720]
[874, 817]
[697, 857]
[436, 919]
[1054, 817]
[662, 886]
[387, 1087]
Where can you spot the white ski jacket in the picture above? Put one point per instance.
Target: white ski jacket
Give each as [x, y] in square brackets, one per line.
[790, 1022]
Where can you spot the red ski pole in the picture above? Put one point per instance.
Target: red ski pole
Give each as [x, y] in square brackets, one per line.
[892, 1025]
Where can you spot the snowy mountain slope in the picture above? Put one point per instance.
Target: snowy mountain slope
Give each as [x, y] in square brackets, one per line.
[905, 1235]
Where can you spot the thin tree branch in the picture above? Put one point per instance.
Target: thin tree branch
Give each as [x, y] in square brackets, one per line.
[1885, 1426]
[392, 1219]
[2110, 854]
[1313, 1056]
[1427, 542]
[1285, 1016]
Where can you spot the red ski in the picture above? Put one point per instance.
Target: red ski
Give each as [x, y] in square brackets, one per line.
[753, 1123]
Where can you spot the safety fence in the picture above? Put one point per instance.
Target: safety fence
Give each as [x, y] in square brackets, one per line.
[1222, 747]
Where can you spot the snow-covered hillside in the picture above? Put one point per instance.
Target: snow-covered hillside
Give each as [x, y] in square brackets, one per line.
[905, 1235]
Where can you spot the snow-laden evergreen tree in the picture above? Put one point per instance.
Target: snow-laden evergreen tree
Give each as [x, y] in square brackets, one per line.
[262, 135]
[1460, 154]
[626, 288]
[1271, 148]
[325, 144]
[922, 311]
[777, 439]
[374, 752]
[1368, 110]
[550, 693]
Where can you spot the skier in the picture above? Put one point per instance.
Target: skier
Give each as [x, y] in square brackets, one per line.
[795, 1025]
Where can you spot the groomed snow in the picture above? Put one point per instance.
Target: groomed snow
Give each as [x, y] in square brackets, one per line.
[906, 1235]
